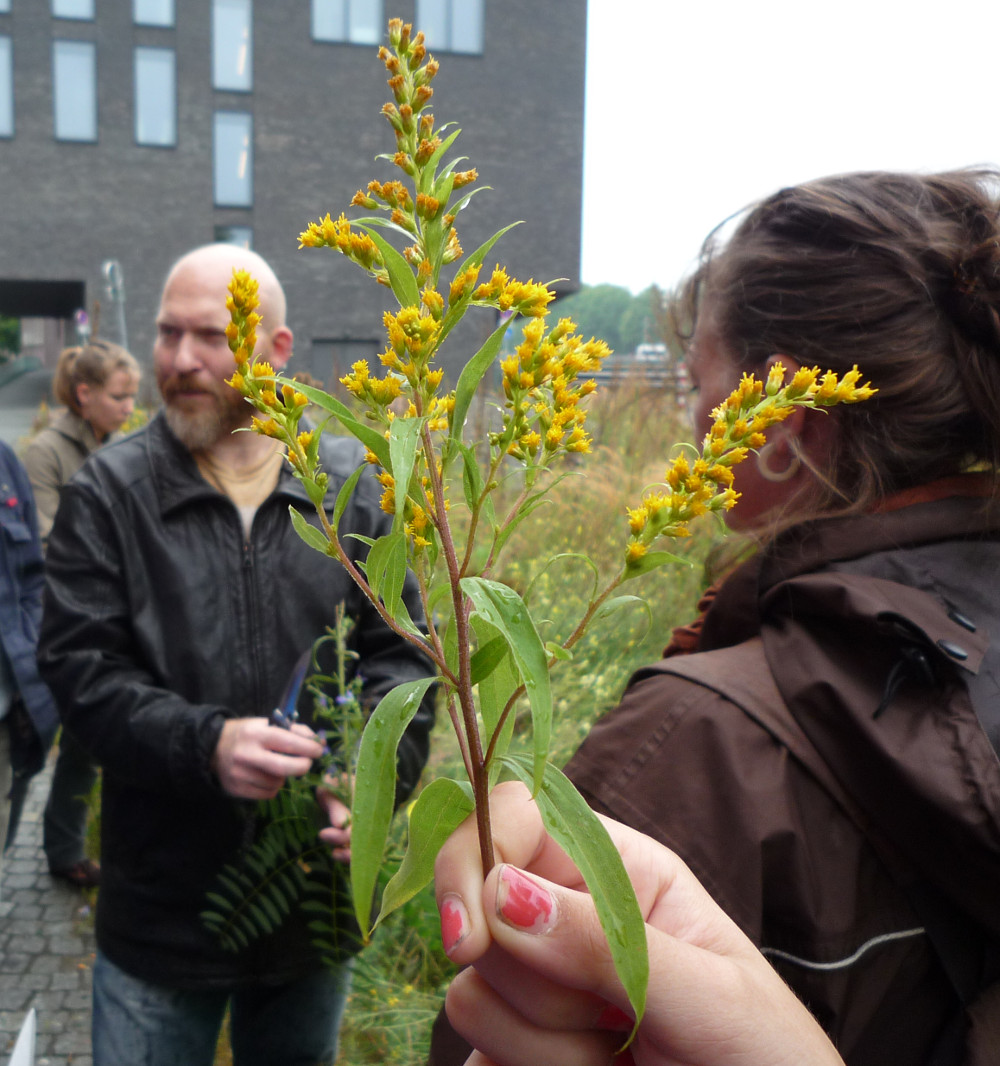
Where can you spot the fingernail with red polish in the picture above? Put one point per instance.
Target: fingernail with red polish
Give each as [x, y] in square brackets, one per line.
[524, 904]
[454, 923]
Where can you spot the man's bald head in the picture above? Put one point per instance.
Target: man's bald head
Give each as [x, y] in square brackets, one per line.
[215, 263]
[191, 355]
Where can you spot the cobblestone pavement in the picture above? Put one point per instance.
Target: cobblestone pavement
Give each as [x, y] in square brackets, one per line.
[46, 947]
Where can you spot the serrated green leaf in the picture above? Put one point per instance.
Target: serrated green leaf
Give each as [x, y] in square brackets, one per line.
[581, 834]
[438, 811]
[503, 608]
[401, 280]
[375, 790]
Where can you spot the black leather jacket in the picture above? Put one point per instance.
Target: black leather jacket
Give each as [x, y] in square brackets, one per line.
[161, 621]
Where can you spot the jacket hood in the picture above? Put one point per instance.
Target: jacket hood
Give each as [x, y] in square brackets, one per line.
[877, 630]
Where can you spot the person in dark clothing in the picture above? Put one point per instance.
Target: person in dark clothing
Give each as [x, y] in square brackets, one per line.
[28, 716]
[179, 600]
[821, 746]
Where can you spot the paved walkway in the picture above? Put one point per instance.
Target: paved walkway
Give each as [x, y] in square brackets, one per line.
[46, 947]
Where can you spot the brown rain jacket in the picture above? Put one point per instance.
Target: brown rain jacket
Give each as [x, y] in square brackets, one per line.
[826, 764]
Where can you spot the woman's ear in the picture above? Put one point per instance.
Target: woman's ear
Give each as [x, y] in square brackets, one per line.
[82, 394]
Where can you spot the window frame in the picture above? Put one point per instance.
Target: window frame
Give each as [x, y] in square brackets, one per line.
[139, 20]
[137, 52]
[346, 36]
[58, 44]
[217, 74]
[218, 114]
[7, 86]
[74, 17]
[449, 8]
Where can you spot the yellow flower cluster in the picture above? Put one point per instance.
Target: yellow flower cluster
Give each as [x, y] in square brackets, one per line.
[544, 382]
[358, 247]
[509, 294]
[256, 380]
[693, 488]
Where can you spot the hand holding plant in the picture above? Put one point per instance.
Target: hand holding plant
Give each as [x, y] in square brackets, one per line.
[442, 491]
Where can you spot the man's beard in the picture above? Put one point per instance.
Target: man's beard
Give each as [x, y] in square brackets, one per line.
[200, 429]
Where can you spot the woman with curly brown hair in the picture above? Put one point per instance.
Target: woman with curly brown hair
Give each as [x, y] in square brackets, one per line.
[820, 748]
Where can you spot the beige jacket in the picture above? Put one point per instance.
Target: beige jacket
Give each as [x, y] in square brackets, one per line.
[52, 458]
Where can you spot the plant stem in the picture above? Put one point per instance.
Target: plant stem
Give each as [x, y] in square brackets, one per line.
[461, 605]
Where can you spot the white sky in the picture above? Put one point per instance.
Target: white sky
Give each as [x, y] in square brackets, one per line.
[697, 107]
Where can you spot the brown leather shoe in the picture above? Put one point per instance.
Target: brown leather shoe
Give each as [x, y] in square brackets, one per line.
[83, 874]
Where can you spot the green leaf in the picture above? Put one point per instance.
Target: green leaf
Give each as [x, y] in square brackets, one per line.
[385, 569]
[469, 379]
[314, 537]
[503, 608]
[438, 811]
[487, 658]
[344, 496]
[404, 435]
[371, 438]
[495, 688]
[401, 279]
[472, 476]
[375, 790]
[581, 834]
[652, 561]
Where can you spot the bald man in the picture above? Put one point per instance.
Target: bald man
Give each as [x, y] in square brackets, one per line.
[179, 599]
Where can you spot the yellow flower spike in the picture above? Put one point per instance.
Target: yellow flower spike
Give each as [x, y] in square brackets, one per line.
[269, 398]
[304, 439]
[434, 377]
[300, 399]
[288, 395]
[236, 382]
[371, 457]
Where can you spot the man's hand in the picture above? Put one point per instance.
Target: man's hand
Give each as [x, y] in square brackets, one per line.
[252, 759]
[338, 834]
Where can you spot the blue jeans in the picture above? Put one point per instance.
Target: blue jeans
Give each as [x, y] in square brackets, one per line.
[136, 1023]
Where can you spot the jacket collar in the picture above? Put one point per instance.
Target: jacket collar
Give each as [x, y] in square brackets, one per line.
[177, 477]
[78, 430]
[734, 614]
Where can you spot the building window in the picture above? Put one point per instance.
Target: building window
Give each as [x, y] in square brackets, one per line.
[451, 25]
[6, 89]
[232, 45]
[356, 21]
[155, 96]
[153, 12]
[238, 235]
[73, 9]
[74, 77]
[233, 159]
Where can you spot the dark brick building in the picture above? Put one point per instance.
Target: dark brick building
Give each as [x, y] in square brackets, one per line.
[134, 130]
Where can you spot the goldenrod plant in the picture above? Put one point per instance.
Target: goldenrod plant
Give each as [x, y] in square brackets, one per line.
[479, 632]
